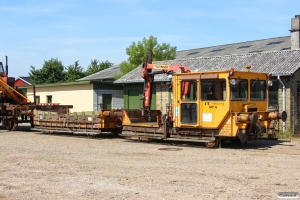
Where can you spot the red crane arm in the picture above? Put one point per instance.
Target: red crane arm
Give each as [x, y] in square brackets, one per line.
[148, 76]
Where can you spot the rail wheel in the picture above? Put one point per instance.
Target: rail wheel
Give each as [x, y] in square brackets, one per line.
[212, 144]
[31, 122]
[11, 124]
[271, 133]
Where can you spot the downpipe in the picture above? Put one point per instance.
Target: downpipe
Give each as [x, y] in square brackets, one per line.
[283, 100]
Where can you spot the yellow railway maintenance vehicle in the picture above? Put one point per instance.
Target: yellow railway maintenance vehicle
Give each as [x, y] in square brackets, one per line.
[208, 107]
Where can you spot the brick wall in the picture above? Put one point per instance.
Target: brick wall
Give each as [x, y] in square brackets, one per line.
[291, 107]
[294, 105]
[162, 96]
[287, 84]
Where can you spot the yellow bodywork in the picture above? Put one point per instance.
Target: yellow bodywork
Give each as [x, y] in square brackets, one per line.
[222, 116]
[210, 107]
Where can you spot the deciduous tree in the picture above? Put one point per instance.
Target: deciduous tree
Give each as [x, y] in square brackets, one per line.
[74, 72]
[97, 66]
[52, 72]
[138, 53]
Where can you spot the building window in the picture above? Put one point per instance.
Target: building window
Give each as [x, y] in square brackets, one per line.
[273, 96]
[192, 53]
[216, 50]
[37, 100]
[244, 47]
[272, 43]
[49, 99]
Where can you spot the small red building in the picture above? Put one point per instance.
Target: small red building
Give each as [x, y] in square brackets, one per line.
[22, 81]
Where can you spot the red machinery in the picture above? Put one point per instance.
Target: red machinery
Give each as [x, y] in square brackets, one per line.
[148, 76]
[12, 102]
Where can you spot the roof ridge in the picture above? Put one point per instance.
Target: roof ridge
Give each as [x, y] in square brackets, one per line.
[233, 43]
[229, 55]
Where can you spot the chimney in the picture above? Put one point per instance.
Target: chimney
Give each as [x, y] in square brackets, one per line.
[295, 33]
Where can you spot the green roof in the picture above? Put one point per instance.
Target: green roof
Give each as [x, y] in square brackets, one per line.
[59, 84]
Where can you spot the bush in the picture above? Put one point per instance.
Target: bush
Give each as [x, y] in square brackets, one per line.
[285, 135]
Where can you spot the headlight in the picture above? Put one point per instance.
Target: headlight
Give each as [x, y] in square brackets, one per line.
[232, 81]
[270, 83]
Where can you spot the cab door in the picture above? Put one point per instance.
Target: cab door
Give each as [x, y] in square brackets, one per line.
[186, 101]
[214, 106]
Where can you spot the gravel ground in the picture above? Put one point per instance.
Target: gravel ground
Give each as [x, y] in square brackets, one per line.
[42, 166]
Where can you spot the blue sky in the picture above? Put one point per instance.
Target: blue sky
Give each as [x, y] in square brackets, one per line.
[33, 31]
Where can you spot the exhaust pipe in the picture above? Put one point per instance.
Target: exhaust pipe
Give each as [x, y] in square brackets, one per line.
[6, 67]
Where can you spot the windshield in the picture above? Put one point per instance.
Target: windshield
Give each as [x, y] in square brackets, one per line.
[1, 68]
[213, 89]
[239, 90]
[258, 90]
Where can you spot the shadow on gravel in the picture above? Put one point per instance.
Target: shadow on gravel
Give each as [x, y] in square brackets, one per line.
[21, 127]
[262, 144]
[99, 136]
[27, 128]
[170, 145]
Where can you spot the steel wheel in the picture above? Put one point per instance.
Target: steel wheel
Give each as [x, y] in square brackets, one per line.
[11, 124]
[212, 144]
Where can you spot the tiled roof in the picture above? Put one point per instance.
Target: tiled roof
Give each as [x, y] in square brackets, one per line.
[26, 79]
[277, 62]
[257, 46]
[108, 73]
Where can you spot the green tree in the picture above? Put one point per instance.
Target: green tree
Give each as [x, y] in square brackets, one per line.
[97, 66]
[125, 67]
[138, 53]
[52, 72]
[74, 72]
[35, 75]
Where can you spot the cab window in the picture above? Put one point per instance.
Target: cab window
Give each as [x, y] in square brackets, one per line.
[188, 113]
[213, 89]
[258, 90]
[189, 90]
[238, 89]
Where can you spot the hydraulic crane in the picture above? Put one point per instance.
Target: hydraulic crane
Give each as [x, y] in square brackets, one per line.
[12, 102]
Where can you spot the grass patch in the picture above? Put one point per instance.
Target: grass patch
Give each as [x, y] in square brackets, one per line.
[285, 135]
